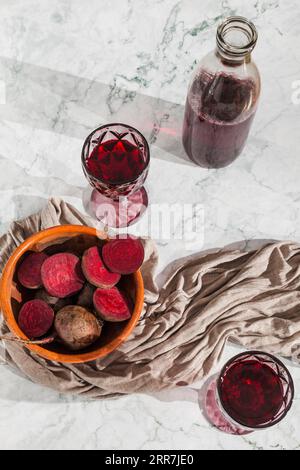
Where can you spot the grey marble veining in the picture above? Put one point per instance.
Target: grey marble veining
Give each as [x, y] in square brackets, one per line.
[68, 68]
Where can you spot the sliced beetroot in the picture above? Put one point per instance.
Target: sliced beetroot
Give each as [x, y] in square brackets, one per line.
[85, 297]
[55, 302]
[111, 304]
[62, 275]
[123, 255]
[77, 327]
[95, 271]
[29, 272]
[42, 294]
[35, 318]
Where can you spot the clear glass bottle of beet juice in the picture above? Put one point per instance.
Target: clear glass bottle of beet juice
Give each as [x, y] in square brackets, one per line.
[223, 97]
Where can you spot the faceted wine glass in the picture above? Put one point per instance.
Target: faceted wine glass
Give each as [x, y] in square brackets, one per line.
[253, 391]
[115, 160]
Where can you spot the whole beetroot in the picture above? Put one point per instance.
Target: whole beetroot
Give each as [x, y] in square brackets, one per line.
[77, 327]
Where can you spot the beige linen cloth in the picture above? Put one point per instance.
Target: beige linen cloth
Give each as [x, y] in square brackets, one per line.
[252, 298]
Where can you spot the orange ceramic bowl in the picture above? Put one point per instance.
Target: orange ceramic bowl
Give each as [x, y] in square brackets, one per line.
[74, 238]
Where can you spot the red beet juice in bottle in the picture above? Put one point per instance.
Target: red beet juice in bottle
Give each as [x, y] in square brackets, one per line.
[223, 97]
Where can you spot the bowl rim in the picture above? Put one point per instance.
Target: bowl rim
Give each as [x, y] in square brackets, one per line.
[5, 297]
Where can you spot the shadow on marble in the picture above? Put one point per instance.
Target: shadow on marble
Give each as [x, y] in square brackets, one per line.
[67, 104]
[17, 177]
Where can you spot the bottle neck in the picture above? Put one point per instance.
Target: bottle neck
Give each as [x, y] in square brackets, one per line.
[236, 39]
[230, 61]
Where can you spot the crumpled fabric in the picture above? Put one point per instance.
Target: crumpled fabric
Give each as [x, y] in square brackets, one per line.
[251, 298]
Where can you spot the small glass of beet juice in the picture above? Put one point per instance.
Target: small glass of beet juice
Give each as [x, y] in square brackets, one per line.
[253, 391]
[115, 161]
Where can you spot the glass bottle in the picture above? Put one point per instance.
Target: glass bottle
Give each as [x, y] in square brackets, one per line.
[223, 97]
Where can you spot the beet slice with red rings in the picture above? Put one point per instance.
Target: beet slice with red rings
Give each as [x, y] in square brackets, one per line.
[36, 318]
[95, 271]
[29, 272]
[123, 255]
[112, 304]
[62, 275]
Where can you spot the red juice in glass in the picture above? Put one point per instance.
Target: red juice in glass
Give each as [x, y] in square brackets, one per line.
[251, 393]
[254, 390]
[116, 161]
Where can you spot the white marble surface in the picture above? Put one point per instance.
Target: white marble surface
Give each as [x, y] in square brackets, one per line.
[68, 66]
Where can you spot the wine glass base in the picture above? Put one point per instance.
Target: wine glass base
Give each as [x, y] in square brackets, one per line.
[116, 213]
[214, 415]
